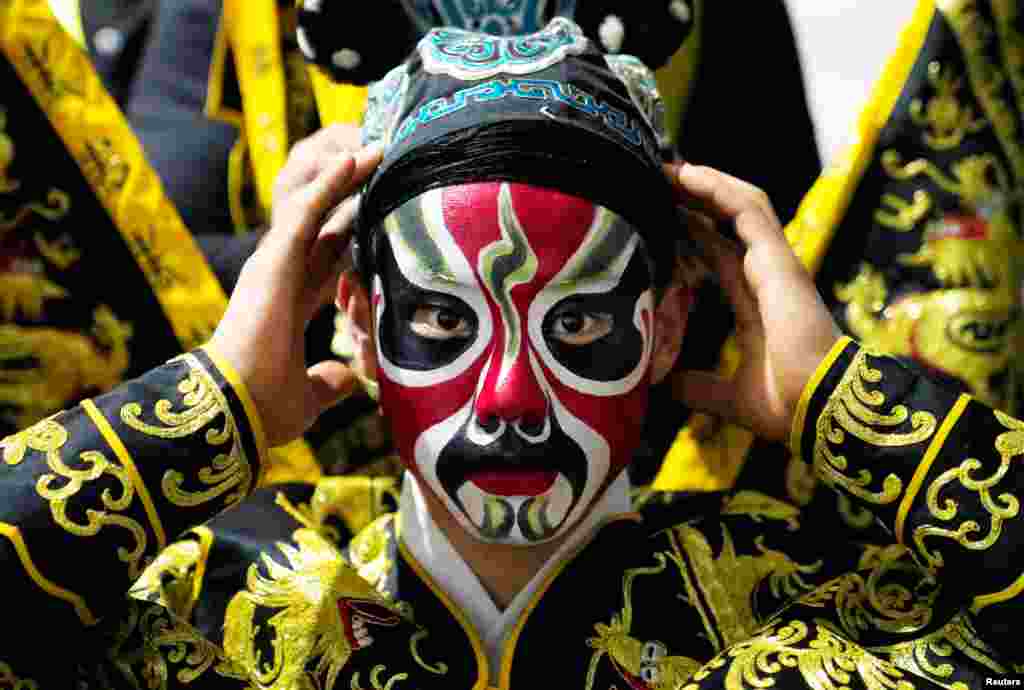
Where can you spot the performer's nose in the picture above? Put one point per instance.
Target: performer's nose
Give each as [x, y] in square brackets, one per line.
[512, 394]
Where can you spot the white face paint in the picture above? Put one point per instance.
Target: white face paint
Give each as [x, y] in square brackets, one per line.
[514, 332]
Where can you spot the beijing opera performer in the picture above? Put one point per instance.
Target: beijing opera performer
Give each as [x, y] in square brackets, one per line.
[528, 271]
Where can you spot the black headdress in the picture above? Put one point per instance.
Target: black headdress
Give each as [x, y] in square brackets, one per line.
[548, 109]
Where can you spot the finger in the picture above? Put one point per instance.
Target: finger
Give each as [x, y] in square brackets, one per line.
[330, 383]
[706, 392]
[721, 195]
[310, 156]
[303, 214]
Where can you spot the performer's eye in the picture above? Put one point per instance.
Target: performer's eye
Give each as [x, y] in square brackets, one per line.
[436, 322]
[577, 327]
[652, 651]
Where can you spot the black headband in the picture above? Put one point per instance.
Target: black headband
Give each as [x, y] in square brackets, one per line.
[546, 109]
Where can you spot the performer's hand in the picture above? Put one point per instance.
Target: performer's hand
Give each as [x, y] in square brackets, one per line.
[783, 328]
[288, 278]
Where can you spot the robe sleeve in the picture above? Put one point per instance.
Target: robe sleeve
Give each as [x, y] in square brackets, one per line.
[938, 469]
[89, 496]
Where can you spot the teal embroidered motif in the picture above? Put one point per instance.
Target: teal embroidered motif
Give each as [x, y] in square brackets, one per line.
[532, 89]
[469, 56]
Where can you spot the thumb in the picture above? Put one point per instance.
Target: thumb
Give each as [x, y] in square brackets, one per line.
[706, 392]
[331, 382]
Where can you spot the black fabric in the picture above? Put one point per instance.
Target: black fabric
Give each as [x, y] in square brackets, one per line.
[116, 61]
[189, 151]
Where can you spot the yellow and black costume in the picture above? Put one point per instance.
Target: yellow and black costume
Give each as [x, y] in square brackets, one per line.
[100, 279]
[914, 236]
[722, 591]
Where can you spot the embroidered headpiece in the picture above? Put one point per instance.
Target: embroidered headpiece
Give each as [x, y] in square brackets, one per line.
[547, 109]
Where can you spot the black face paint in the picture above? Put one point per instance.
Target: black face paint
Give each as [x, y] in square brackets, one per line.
[613, 356]
[399, 342]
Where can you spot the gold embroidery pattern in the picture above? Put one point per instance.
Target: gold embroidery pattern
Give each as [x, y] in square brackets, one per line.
[1002, 507]
[58, 488]
[826, 662]
[633, 658]
[947, 120]
[927, 655]
[727, 582]
[854, 410]
[969, 326]
[758, 506]
[9, 681]
[95, 133]
[320, 613]
[230, 474]
[67, 363]
[883, 601]
[169, 579]
[974, 33]
[157, 643]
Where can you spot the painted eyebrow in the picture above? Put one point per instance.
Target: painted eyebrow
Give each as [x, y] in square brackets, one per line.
[410, 226]
[604, 255]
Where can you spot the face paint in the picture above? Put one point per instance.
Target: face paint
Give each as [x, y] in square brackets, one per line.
[514, 331]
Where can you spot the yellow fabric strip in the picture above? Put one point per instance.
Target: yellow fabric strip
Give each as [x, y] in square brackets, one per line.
[13, 535]
[112, 439]
[254, 33]
[69, 14]
[800, 416]
[130, 191]
[811, 231]
[214, 107]
[998, 597]
[926, 463]
[251, 413]
[478, 647]
[337, 102]
[205, 536]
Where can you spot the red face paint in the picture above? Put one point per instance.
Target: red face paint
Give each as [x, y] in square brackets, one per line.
[514, 334]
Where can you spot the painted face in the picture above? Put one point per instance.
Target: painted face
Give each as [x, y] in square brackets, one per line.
[514, 333]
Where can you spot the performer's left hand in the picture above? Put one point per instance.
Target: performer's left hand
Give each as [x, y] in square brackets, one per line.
[783, 328]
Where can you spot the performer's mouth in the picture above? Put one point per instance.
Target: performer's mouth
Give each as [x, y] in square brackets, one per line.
[498, 501]
[514, 481]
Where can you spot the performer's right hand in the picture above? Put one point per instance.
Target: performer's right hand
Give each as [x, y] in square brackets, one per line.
[292, 273]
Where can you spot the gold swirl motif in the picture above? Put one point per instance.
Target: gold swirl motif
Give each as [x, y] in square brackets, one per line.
[826, 662]
[163, 642]
[876, 603]
[855, 410]
[375, 681]
[229, 474]
[926, 655]
[1002, 507]
[440, 668]
[49, 436]
[899, 214]
[9, 681]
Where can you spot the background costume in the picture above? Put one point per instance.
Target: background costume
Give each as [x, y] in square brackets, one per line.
[913, 235]
[716, 591]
